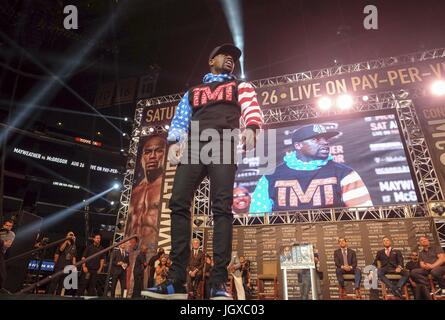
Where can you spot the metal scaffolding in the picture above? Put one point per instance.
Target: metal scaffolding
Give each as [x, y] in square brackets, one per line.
[400, 101]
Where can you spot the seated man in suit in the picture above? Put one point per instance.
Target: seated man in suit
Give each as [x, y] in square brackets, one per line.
[432, 261]
[346, 262]
[119, 266]
[195, 266]
[391, 261]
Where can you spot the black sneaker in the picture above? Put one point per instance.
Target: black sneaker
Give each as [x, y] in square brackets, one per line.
[219, 292]
[168, 290]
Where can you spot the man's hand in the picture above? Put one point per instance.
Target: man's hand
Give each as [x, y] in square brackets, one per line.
[398, 269]
[175, 152]
[427, 266]
[248, 138]
[85, 269]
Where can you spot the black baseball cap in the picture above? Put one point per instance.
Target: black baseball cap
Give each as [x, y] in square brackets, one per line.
[229, 48]
[312, 131]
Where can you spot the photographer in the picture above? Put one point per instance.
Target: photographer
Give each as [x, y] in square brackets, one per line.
[65, 255]
[6, 239]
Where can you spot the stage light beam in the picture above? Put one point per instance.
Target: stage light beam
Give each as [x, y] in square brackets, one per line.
[58, 216]
[233, 12]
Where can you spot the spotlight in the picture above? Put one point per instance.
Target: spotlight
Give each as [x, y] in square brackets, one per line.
[325, 103]
[125, 119]
[122, 150]
[344, 102]
[167, 127]
[116, 186]
[124, 134]
[151, 130]
[59, 124]
[99, 133]
[438, 88]
[112, 203]
[365, 98]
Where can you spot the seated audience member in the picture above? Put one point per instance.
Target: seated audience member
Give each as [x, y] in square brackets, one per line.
[346, 263]
[391, 262]
[432, 261]
[414, 263]
[195, 266]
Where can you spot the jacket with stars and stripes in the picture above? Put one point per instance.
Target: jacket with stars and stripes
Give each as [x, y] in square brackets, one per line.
[220, 102]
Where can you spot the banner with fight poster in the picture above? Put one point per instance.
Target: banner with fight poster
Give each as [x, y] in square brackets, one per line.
[364, 164]
[148, 213]
[431, 113]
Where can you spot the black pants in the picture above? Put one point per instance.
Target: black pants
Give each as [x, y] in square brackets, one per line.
[88, 282]
[56, 284]
[122, 278]
[187, 179]
[138, 283]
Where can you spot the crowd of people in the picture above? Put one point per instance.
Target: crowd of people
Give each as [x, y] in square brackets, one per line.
[146, 273]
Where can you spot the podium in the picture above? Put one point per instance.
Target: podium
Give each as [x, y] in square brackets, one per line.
[298, 257]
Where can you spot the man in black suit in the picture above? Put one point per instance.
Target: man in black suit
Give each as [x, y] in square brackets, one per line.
[391, 261]
[90, 269]
[119, 265]
[140, 265]
[346, 263]
[195, 266]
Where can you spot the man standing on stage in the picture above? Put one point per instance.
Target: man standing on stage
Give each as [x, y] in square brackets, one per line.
[65, 255]
[7, 237]
[309, 178]
[195, 266]
[140, 265]
[217, 105]
[91, 268]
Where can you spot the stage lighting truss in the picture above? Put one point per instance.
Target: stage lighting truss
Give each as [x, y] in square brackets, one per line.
[124, 202]
[400, 100]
